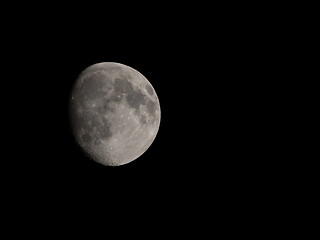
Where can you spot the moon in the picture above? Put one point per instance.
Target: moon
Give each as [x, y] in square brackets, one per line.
[114, 113]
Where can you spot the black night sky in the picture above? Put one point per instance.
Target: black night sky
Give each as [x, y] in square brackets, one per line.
[204, 71]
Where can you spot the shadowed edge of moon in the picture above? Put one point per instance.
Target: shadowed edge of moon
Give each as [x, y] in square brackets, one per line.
[92, 91]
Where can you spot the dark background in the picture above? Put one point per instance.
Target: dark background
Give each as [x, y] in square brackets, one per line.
[208, 68]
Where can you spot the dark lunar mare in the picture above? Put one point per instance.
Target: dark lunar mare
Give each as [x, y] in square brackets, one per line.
[135, 98]
[121, 85]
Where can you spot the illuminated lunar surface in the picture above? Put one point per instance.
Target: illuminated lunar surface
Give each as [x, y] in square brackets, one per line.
[114, 113]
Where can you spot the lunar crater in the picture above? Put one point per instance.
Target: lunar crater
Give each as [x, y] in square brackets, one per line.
[151, 107]
[114, 113]
[149, 90]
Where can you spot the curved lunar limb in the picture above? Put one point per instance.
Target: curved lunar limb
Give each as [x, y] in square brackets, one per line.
[114, 113]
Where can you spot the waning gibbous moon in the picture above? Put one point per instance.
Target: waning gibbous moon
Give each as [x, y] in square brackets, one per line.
[114, 113]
